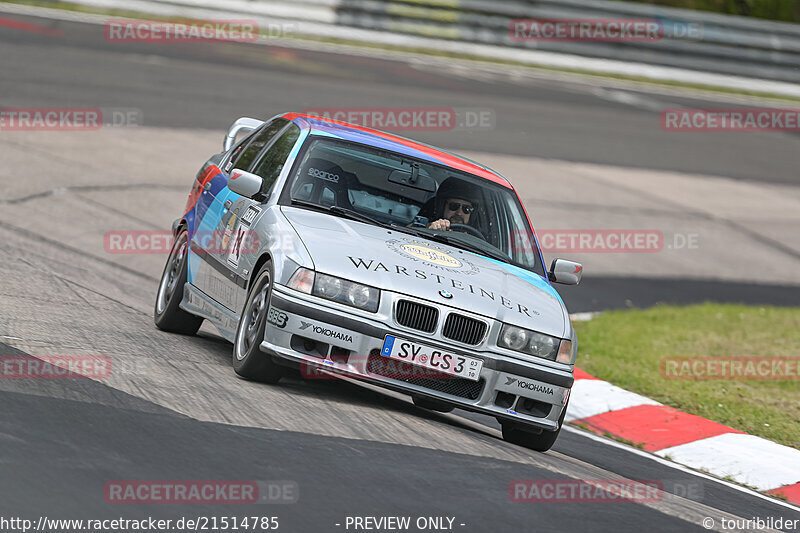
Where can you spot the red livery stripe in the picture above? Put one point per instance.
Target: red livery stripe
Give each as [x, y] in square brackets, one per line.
[208, 174]
[444, 157]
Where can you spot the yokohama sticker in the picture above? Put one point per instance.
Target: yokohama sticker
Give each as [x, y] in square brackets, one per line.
[326, 331]
[530, 388]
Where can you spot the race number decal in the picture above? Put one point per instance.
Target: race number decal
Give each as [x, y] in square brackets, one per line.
[242, 238]
[250, 215]
[239, 240]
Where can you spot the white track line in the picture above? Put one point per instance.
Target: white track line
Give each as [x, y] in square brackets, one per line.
[488, 430]
[676, 466]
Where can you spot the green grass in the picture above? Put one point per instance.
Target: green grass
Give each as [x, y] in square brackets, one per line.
[626, 347]
[784, 10]
[79, 8]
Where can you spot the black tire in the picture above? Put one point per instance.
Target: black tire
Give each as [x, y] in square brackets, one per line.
[167, 313]
[541, 442]
[431, 404]
[248, 359]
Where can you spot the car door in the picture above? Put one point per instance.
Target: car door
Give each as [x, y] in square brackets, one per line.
[240, 255]
[209, 181]
[211, 240]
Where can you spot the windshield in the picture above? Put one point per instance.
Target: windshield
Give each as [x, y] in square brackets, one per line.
[432, 201]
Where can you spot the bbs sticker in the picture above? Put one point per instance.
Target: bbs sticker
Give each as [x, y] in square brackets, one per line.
[277, 318]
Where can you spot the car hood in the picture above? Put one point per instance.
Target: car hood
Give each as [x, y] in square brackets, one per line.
[406, 264]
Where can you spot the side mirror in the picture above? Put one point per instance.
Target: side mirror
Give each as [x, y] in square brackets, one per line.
[245, 183]
[243, 124]
[565, 272]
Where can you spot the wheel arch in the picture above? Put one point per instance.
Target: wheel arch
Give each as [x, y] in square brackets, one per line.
[178, 224]
[266, 256]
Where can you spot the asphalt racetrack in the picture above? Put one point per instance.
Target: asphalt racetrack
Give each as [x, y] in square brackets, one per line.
[581, 155]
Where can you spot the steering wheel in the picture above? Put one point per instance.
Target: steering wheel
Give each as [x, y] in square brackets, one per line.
[466, 228]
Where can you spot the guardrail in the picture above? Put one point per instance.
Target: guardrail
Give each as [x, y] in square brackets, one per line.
[724, 50]
[694, 40]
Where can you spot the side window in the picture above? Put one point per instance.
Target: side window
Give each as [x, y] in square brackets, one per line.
[259, 141]
[237, 152]
[522, 247]
[271, 163]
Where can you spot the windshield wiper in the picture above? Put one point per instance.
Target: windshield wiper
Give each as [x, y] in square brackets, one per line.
[440, 237]
[343, 212]
[458, 243]
[455, 241]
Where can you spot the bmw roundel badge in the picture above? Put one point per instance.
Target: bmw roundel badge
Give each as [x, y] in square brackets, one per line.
[445, 294]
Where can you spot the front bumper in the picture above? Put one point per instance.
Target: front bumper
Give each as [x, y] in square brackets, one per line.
[325, 340]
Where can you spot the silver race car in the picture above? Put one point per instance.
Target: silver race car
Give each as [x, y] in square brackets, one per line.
[343, 250]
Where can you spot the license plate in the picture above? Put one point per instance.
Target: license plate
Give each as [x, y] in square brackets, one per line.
[433, 359]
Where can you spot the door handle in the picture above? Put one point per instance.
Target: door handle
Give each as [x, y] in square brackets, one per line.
[207, 186]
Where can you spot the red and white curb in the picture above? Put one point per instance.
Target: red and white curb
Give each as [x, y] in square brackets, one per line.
[686, 439]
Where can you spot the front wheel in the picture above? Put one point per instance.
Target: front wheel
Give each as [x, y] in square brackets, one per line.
[167, 314]
[248, 359]
[541, 442]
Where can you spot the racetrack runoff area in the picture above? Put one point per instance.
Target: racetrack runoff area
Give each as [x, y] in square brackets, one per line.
[138, 179]
[64, 294]
[172, 408]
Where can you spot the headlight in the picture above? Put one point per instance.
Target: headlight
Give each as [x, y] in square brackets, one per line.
[362, 296]
[514, 338]
[328, 287]
[335, 289]
[346, 292]
[529, 342]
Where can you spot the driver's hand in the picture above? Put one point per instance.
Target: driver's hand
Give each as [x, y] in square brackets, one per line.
[442, 224]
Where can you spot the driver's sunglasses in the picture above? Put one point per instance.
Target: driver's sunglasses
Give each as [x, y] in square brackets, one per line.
[467, 209]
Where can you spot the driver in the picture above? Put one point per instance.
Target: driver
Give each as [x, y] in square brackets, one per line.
[455, 203]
